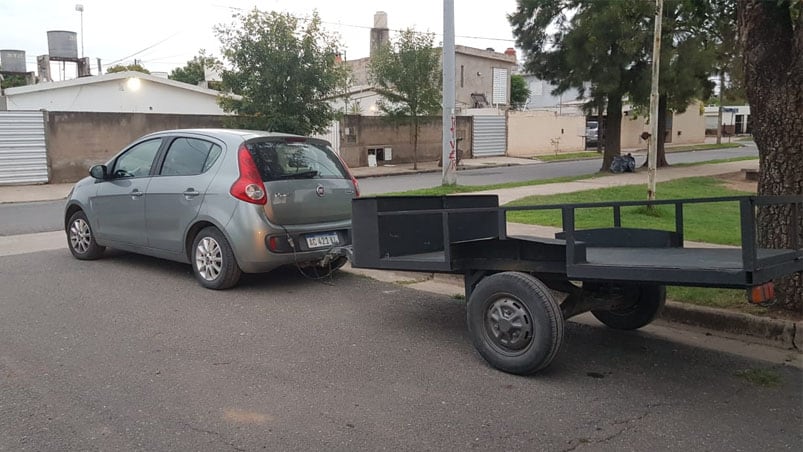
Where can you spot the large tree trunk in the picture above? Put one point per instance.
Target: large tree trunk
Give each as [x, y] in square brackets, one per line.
[662, 112]
[660, 152]
[415, 143]
[613, 131]
[773, 60]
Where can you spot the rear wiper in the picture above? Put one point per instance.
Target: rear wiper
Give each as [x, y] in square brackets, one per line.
[299, 175]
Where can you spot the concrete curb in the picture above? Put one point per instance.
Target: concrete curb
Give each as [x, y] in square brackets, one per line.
[780, 333]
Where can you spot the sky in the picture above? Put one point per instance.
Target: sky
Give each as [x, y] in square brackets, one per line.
[166, 34]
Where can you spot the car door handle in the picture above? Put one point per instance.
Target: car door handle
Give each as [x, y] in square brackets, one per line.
[136, 194]
[191, 193]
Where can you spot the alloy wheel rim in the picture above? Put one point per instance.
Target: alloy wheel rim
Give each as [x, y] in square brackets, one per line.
[508, 324]
[208, 259]
[80, 236]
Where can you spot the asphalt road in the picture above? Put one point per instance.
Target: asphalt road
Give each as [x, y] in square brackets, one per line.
[130, 353]
[519, 173]
[31, 217]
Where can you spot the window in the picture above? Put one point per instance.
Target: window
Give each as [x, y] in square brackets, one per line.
[500, 82]
[295, 160]
[137, 161]
[189, 157]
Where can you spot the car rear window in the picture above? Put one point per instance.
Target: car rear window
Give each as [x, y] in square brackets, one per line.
[290, 159]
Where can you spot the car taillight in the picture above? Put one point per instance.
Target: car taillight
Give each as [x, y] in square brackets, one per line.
[353, 179]
[249, 186]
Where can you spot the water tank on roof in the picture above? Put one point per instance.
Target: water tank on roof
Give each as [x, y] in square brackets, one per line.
[62, 44]
[12, 61]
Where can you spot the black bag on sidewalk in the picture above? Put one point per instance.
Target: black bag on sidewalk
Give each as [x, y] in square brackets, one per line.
[623, 164]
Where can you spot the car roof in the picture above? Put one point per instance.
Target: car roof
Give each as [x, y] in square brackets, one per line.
[224, 134]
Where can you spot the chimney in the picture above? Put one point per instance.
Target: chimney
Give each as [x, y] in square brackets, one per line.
[380, 35]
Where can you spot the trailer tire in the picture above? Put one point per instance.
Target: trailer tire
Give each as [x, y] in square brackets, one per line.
[648, 302]
[515, 323]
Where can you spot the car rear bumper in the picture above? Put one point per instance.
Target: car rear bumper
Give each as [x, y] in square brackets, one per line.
[249, 234]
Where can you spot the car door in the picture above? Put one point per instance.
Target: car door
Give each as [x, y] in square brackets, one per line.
[175, 194]
[119, 204]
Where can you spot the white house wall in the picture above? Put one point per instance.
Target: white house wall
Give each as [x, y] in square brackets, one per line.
[687, 128]
[117, 96]
[541, 132]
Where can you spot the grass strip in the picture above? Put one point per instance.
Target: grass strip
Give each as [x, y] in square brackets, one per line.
[710, 222]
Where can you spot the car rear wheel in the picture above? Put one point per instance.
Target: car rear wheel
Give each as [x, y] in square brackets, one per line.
[213, 261]
[80, 239]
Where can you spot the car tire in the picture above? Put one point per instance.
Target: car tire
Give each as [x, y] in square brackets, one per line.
[80, 239]
[647, 304]
[515, 323]
[213, 261]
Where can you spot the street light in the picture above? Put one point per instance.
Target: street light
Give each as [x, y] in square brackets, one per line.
[80, 8]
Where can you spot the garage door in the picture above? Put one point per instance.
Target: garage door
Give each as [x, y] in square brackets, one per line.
[23, 155]
[490, 136]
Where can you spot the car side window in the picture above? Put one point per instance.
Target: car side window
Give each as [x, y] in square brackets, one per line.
[137, 161]
[189, 157]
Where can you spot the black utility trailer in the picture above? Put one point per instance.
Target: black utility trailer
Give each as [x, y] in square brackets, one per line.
[618, 273]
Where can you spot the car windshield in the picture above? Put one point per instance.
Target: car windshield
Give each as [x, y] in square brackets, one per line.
[291, 159]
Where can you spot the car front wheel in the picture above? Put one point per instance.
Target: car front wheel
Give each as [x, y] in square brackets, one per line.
[213, 261]
[80, 239]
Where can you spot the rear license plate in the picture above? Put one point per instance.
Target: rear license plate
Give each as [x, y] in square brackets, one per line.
[322, 240]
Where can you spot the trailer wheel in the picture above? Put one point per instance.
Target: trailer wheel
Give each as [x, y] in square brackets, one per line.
[515, 322]
[647, 304]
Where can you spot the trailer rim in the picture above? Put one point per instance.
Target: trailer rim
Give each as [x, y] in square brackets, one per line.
[508, 324]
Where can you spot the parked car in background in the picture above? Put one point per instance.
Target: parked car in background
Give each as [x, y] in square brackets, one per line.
[592, 133]
[224, 201]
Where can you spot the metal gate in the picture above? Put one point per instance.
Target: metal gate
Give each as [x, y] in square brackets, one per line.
[332, 135]
[23, 154]
[490, 136]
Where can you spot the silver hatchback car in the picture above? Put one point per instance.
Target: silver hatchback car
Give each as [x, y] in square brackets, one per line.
[225, 201]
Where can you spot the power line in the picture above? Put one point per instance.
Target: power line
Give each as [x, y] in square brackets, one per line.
[366, 27]
[143, 50]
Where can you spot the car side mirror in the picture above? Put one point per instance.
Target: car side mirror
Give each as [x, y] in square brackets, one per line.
[99, 172]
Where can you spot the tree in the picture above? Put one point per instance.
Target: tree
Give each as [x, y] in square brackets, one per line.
[771, 36]
[604, 49]
[688, 58]
[136, 67]
[407, 74]
[282, 72]
[12, 81]
[595, 46]
[519, 92]
[194, 72]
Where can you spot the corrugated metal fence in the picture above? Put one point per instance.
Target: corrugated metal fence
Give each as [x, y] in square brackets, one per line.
[23, 153]
[490, 136]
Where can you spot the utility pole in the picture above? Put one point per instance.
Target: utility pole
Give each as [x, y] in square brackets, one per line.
[652, 155]
[449, 151]
[80, 9]
[719, 112]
